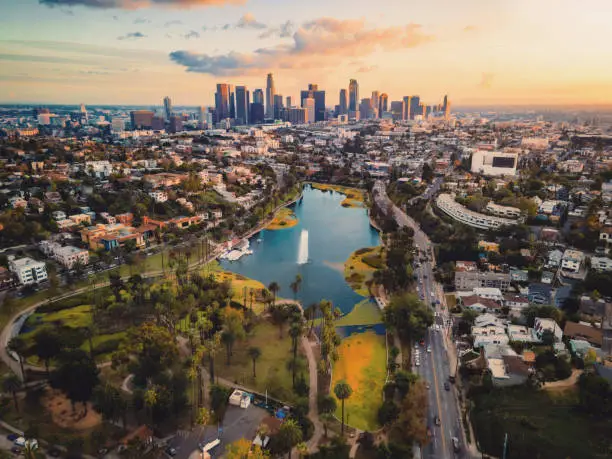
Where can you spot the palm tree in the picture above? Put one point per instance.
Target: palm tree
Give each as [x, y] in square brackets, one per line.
[302, 449]
[326, 418]
[289, 435]
[296, 285]
[11, 384]
[274, 288]
[254, 352]
[279, 315]
[295, 332]
[342, 390]
[311, 313]
[19, 347]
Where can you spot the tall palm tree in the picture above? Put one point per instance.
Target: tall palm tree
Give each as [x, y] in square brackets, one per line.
[274, 288]
[342, 390]
[295, 332]
[296, 285]
[254, 353]
[311, 313]
[11, 384]
[19, 347]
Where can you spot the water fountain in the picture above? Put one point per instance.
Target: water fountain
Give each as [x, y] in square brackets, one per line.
[302, 258]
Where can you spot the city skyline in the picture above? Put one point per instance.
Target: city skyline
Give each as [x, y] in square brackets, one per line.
[481, 53]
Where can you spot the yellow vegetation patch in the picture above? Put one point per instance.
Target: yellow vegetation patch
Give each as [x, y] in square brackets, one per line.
[284, 218]
[239, 283]
[360, 267]
[354, 196]
[362, 364]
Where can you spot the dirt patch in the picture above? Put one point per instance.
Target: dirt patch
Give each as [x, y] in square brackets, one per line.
[60, 408]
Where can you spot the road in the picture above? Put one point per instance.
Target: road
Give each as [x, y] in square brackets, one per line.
[434, 365]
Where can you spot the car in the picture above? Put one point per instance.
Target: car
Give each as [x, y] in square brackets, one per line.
[429, 349]
[16, 450]
[417, 363]
[437, 420]
[446, 386]
[456, 445]
[12, 437]
[422, 342]
[170, 451]
[427, 385]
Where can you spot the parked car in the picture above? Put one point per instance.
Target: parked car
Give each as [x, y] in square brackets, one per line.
[170, 451]
[456, 445]
[437, 420]
[446, 386]
[12, 437]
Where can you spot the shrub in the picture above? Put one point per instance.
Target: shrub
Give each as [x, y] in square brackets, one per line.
[362, 251]
[374, 261]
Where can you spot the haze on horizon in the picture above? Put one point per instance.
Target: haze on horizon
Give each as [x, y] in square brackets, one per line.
[480, 52]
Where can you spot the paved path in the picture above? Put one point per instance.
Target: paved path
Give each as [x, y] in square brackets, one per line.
[313, 409]
[564, 383]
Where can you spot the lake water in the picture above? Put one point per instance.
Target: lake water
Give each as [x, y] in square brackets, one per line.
[324, 238]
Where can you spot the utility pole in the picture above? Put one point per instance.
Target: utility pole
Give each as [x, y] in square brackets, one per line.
[505, 445]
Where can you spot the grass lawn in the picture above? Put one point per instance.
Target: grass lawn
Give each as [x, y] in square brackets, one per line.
[360, 267]
[284, 218]
[354, 196]
[538, 425]
[272, 372]
[362, 362]
[239, 283]
[364, 313]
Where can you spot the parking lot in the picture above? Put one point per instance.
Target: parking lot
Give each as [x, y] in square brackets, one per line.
[237, 423]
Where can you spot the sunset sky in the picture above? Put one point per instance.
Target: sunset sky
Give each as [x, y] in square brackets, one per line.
[480, 52]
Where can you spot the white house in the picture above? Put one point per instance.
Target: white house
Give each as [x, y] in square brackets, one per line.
[542, 325]
[28, 271]
[159, 196]
[572, 260]
[489, 335]
[601, 264]
[67, 256]
[491, 293]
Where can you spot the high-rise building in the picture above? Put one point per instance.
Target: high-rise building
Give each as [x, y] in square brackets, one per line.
[319, 97]
[118, 125]
[201, 117]
[270, 91]
[397, 109]
[383, 104]
[375, 104]
[141, 119]
[343, 102]
[257, 112]
[297, 115]
[406, 114]
[222, 100]
[309, 105]
[176, 124]
[353, 96]
[167, 107]
[446, 108]
[415, 102]
[289, 102]
[258, 96]
[158, 123]
[365, 109]
[232, 102]
[242, 105]
[278, 106]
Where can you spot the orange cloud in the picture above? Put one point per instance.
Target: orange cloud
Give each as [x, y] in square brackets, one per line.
[136, 4]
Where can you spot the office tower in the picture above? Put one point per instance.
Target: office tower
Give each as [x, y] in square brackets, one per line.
[232, 102]
[278, 106]
[257, 112]
[297, 115]
[167, 107]
[353, 96]
[117, 125]
[176, 124]
[383, 105]
[141, 119]
[446, 107]
[201, 114]
[289, 102]
[222, 97]
[415, 102]
[309, 105]
[423, 110]
[319, 97]
[397, 109]
[365, 109]
[270, 96]
[158, 123]
[242, 105]
[258, 96]
[375, 104]
[343, 102]
[406, 114]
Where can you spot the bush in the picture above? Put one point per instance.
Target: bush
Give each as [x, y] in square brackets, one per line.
[106, 347]
[68, 303]
[362, 251]
[375, 261]
[388, 412]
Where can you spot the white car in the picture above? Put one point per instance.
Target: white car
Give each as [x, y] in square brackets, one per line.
[429, 349]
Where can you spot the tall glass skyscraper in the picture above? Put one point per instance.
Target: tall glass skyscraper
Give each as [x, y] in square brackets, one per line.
[242, 105]
[270, 91]
[353, 96]
[343, 102]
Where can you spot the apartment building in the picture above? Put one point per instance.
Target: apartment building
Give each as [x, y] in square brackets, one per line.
[470, 280]
[28, 271]
[159, 196]
[503, 211]
[67, 256]
[447, 204]
[572, 261]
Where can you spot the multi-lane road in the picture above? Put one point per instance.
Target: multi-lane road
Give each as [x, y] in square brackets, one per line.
[434, 359]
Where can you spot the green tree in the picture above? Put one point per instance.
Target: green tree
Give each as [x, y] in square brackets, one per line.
[47, 345]
[296, 285]
[274, 288]
[408, 316]
[342, 391]
[254, 354]
[289, 435]
[11, 385]
[279, 315]
[76, 376]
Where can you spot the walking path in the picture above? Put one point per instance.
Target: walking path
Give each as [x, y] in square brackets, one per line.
[313, 409]
[564, 383]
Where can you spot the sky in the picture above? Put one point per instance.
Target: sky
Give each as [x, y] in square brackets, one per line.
[479, 52]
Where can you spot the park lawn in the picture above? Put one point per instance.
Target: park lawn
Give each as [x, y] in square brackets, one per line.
[284, 218]
[364, 313]
[538, 424]
[354, 196]
[362, 363]
[239, 283]
[272, 373]
[357, 271]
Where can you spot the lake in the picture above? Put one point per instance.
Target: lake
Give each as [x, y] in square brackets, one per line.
[316, 248]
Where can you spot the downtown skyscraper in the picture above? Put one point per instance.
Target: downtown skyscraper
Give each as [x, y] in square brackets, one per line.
[222, 102]
[353, 96]
[383, 104]
[343, 107]
[167, 108]
[242, 105]
[270, 92]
